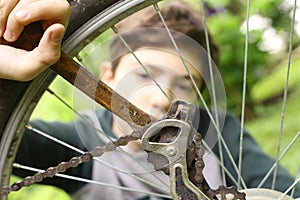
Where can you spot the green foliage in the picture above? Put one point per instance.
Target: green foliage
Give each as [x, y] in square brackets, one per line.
[229, 34]
[273, 84]
[226, 31]
[96, 53]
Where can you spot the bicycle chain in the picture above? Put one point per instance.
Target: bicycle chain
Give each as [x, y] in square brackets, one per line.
[72, 163]
[222, 192]
[194, 154]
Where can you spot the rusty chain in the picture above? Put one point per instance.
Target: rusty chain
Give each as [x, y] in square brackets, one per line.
[199, 180]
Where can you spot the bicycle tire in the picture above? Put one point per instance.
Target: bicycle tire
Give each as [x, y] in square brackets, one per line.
[18, 99]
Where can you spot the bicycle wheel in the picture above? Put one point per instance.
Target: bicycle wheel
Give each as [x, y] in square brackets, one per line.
[17, 104]
[18, 112]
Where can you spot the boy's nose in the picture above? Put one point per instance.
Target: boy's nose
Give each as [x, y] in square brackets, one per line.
[162, 99]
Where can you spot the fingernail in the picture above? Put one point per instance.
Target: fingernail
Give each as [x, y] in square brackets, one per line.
[22, 14]
[8, 35]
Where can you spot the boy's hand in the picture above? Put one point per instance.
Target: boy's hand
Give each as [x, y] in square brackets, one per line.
[19, 64]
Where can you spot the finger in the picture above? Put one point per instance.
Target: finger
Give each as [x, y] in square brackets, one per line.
[12, 25]
[5, 8]
[49, 11]
[22, 65]
[53, 11]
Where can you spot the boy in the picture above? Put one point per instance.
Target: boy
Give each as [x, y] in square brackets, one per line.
[167, 67]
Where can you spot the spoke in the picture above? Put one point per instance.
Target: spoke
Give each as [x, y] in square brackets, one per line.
[297, 177]
[285, 92]
[223, 167]
[140, 62]
[244, 95]
[29, 127]
[175, 45]
[19, 166]
[291, 188]
[278, 159]
[97, 159]
[200, 95]
[76, 112]
[213, 89]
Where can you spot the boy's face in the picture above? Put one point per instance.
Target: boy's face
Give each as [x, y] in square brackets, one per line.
[132, 81]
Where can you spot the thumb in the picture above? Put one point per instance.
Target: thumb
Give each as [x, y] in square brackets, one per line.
[24, 65]
[46, 53]
[49, 49]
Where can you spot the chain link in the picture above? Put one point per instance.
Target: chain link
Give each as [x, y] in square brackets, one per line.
[222, 193]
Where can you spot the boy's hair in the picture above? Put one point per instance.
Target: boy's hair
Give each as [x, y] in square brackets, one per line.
[178, 15]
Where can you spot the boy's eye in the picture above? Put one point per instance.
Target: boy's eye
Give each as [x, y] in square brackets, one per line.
[184, 87]
[143, 75]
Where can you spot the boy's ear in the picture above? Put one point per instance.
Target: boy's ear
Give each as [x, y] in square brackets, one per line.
[106, 74]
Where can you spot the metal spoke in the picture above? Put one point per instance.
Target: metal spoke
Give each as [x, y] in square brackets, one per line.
[297, 181]
[223, 167]
[285, 92]
[115, 30]
[19, 166]
[77, 113]
[278, 159]
[213, 90]
[244, 94]
[297, 177]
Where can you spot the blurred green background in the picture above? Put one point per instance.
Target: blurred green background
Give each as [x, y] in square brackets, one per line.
[267, 65]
